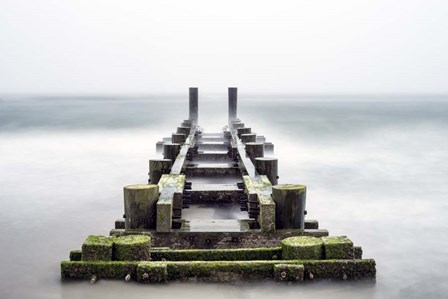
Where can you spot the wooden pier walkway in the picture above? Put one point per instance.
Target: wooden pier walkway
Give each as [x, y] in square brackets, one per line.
[213, 211]
[218, 182]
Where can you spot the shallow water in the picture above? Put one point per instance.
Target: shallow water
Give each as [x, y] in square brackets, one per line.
[376, 170]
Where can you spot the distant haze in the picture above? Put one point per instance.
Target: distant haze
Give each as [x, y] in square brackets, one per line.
[313, 46]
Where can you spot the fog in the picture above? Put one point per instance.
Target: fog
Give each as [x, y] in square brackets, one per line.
[122, 47]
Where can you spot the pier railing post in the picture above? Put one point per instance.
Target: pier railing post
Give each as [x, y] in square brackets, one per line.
[233, 97]
[178, 138]
[290, 203]
[254, 150]
[244, 130]
[158, 167]
[269, 167]
[245, 138]
[193, 112]
[140, 206]
[171, 150]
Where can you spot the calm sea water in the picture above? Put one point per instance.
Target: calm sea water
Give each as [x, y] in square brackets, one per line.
[376, 170]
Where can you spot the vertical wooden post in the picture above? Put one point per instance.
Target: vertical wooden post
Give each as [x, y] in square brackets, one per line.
[178, 138]
[290, 201]
[243, 131]
[254, 150]
[183, 130]
[171, 150]
[268, 167]
[193, 104]
[140, 206]
[157, 167]
[245, 138]
[233, 97]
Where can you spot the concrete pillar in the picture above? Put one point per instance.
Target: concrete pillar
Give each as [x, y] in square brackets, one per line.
[254, 150]
[193, 104]
[171, 150]
[157, 167]
[140, 206]
[248, 137]
[233, 97]
[183, 130]
[290, 201]
[268, 167]
[178, 138]
[243, 131]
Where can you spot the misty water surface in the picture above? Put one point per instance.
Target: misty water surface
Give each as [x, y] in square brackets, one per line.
[376, 170]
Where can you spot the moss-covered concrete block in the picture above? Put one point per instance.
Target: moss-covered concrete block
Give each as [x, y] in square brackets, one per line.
[340, 269]
[338, 247]
[289, 272]
[151, 272]
[215, 270]
[302, 248]
[132, 248]
[357, 252]
[97, 248]
[240, 254]
[109, 270]
[75, 255]
[221, 271]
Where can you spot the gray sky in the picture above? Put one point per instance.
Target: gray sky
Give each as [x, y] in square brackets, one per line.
[312, 46]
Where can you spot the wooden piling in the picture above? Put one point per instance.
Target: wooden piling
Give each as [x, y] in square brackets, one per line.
[183, 130]
[158, 167]
[254, 150]
[233, 97]
[268, 166]
[193, 112]
[140, 206]
[171, 150]
[178, 138]
[290, 201]
[244, 130]
[235, 126]
[245, 138]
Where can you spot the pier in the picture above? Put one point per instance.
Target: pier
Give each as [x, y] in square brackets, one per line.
[213, 204]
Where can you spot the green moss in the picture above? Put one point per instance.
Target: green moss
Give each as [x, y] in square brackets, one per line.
[109, 270]
[216, 270]
[302, 247]
[289, 272]
[132, 248]
[220, 270]
[338, 247]
[152, 272]
[340, 269]
[75, 255]
[98, 240]
[97, 248]
[240, 254]
[357, 252]
[300, 188]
